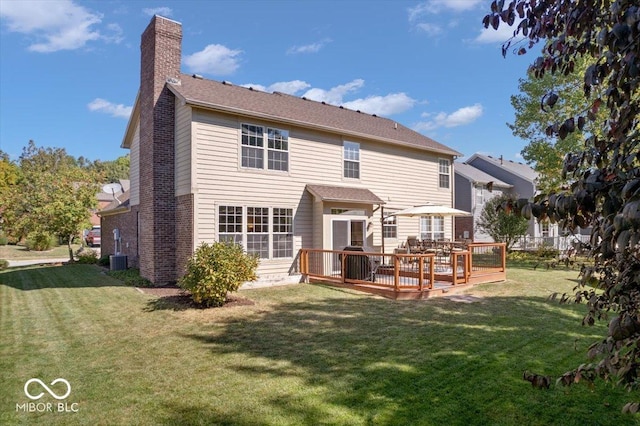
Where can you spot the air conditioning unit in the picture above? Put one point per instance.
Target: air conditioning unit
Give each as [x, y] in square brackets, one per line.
[117, 262]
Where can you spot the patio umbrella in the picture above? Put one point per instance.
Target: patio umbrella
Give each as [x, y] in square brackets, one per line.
[430, 210]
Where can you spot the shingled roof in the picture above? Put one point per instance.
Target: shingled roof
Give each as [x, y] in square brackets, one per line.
[292, 110]
[344, 194]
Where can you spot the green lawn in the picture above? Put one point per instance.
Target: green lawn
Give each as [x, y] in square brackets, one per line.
[19, 252]
[302, 354]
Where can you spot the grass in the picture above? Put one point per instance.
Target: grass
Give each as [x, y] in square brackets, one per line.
[19, 252]
[302, 354]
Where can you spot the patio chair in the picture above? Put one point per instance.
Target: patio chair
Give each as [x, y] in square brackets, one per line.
[413, 244]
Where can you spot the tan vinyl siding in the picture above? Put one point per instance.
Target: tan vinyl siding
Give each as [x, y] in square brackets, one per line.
[183, 150]
[403, 177]
[134, 168]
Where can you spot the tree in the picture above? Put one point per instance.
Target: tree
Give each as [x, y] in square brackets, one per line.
[501, 226]
[605, 173]
[52, 196]
[112, 171]
[544, 152]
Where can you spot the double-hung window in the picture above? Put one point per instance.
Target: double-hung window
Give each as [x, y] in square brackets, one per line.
[282, 232]
[254, 147]
[432, 228]
[258, 231]
[444, 173]
[256, 227]
[351, 160]
[390, 227]
[230, 224]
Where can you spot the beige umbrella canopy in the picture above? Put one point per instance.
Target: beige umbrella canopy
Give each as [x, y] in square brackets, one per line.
[430, 210]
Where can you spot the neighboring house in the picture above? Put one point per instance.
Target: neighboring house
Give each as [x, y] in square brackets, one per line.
[520, 177]
[105, 199]
[211, 161]
[473, 188]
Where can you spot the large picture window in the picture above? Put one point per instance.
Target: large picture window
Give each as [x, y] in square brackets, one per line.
[255, 227]
[432, 228]
[444, 173]
[351, 159]
[253, 148]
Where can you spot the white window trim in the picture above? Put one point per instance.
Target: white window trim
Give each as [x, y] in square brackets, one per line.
[448, 174]
[358, 161]
[265, 149]
[271, 233]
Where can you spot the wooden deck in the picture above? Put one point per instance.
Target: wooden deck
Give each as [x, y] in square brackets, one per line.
[406, 276]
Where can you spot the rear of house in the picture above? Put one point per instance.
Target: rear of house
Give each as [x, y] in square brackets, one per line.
[211, 161]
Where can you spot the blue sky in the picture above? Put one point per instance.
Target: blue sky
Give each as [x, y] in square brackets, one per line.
[69, 70]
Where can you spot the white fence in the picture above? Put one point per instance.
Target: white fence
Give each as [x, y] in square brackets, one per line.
[528, 243]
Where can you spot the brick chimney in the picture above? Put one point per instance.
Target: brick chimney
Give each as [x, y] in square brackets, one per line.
[160, 60]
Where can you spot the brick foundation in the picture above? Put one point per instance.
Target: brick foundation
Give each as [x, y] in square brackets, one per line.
[184, 232]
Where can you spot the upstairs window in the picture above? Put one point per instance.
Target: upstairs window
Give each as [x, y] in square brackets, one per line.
[444, 173]
[351, 159]
[253, 148]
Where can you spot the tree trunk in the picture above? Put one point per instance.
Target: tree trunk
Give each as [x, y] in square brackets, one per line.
[70, 249]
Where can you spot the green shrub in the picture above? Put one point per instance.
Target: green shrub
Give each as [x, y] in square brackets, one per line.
[131, 277]
[87, 256]
[547, 251]
[40, 241]
[215, 270]
[4, 240]
[4, 264]
[104, 260]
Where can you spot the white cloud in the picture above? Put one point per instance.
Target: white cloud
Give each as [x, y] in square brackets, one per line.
[162, 11]
[214, 59]
[115, 110]
[288, 87]
[430, 29]
[502, 34]
[394, 103]
[433, 7]
[60, 24]
[336, 94]
[460, 117]
[309, 48]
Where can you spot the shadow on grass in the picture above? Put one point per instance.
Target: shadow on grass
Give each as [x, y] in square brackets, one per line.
[414, 362]
[39, 277]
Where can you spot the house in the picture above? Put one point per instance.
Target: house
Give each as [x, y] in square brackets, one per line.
[473, 188]
[505, 176]
[212, 161]
[106, 198]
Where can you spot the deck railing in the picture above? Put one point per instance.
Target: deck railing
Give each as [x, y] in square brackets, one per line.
[400, 271]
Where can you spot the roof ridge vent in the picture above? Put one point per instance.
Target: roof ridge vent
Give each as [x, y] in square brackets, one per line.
[198, 76]
[227, 83]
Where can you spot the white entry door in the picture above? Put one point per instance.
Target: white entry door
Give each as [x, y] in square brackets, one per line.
[346, 232]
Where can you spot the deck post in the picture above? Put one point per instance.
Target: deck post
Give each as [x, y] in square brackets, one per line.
[421, 272]
[396, 272]
[454, 268]
[432, 271]
[343, 256]
[504, 257]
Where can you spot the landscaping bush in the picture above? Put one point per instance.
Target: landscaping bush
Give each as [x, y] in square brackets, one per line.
[130, 277]
[104, 260]
[40, 242]
[87, 256]
[4, 264]
[546, 251]
[4, 240]
[215, 270]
